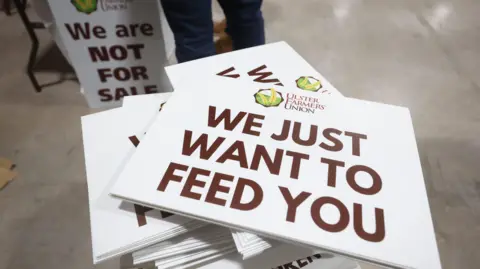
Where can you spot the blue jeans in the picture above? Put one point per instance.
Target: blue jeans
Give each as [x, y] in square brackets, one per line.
[192, 25]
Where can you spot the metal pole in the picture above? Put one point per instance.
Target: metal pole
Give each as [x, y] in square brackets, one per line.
[21, 7]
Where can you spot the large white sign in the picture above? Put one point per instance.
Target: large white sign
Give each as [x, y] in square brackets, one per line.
[346, 178]
[115, 46]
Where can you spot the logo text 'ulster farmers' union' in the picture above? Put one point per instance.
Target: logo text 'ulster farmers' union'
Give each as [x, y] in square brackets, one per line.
[85, 6]
[268, 97]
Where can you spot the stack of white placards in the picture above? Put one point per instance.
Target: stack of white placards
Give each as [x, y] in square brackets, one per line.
[256, 161]
[203, 242]
[249, 244]
[110, 138]
[281, 257]
[118, 227]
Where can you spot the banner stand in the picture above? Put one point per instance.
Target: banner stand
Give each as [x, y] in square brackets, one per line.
[117, 48]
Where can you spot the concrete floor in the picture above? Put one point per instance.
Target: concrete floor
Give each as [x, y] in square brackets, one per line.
[423, 54]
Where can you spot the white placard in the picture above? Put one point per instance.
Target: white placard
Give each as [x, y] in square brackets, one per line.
[118, 227]
[352, 167]
[116, 47]
[207, 238]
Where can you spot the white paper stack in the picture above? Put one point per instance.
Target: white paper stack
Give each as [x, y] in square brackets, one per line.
[250, 245]
[281, 155]
[201, 240]
[281, 257]
[194, 259]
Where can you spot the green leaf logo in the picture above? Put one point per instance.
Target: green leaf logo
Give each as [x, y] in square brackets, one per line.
[268, 97]
[308, 83]
[85, 6]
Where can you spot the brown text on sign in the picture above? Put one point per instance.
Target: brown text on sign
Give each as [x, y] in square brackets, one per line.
[85, 31]
[117, 53]
[220, 150]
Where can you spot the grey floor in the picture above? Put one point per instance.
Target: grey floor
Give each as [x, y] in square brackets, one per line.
[423, 54]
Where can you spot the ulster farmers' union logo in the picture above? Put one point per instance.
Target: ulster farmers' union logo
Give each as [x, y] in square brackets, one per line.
[272, 98]
[85, 6]
[90, 6]
[308, 83]
[268, 97]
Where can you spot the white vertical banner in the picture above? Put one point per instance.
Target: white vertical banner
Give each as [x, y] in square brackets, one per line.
[115, 46]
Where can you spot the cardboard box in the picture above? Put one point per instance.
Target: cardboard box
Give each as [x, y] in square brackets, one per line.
[6, 172]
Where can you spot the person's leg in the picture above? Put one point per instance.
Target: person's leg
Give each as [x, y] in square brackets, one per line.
[244, 22]
[192, 27]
